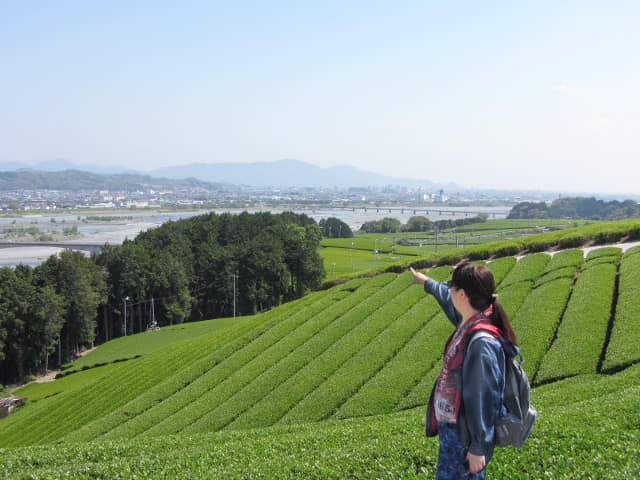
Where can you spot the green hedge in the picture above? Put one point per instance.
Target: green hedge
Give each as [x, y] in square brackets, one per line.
[320, 357]
[410, 362]
[233, 366]
[632, 251]
[537, 319]
[614, 252]
[581, 335]
[363, 365]
[565, 258]
[587, 428]
[501, 267]
[527, 269]
[194, 404]
[624, 345]
[565, 272]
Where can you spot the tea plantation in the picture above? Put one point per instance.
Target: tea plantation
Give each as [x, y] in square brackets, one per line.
[334, 385]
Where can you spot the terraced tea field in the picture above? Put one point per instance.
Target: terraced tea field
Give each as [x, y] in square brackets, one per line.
[334, 385]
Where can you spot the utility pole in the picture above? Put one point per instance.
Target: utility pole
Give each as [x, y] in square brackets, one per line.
[125, 315]
[353, 268]
[234, 295]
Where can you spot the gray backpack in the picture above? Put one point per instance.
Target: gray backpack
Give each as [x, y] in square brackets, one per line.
[514, 427]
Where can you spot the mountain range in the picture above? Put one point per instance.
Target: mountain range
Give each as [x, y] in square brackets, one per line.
[277, 173]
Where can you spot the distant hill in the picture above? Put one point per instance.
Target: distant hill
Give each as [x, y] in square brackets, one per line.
[277, 173]
[287, 173]
[59, 165]
[80, 180]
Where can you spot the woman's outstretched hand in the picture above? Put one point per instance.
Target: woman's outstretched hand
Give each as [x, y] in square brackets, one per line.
[418, 277]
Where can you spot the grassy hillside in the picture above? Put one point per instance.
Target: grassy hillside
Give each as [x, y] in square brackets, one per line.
[588, 428]
[287, 391]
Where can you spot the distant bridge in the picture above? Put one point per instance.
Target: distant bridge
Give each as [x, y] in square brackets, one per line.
[87, 247]
[402, 210]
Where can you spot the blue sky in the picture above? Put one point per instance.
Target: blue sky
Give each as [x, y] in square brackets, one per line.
[541, 94]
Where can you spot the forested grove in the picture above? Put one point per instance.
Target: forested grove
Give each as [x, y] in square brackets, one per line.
[417, 224]
[578, 207]
[193, 269]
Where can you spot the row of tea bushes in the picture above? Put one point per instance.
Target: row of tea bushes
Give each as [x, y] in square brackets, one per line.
[408, 366]
[623, 348]
[319, 358]
[582, 333]
[235, 360]
[51, 418]
[132, 379]
[587, 428]
[369, 349]
[353, 344]
[197, 400]
[538, 318]
[529, 268]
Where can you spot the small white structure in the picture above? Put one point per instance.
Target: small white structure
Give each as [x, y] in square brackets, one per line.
[7, 404]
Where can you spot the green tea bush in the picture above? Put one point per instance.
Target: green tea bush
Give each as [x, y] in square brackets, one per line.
[230, 370]
[402, 370]
[539, 243]
[565, 258]
[537, 319]
[632, 251]
[571, 240]
[361, 366]
[317, 359]
[583, 329]
[419, 395]
[608, 255]
[134, 378]
[501, 267]
[147, 342]
[342, 383]
[191, 404]
[614, 252]
[527, 269]
[565, 272]
[581, 433]
[494, 249]
[625, 336]
[512, 296]
[56, 416]
[383, 392]
[281, 370]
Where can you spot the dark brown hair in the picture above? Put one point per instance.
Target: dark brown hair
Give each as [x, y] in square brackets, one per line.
[479, 286]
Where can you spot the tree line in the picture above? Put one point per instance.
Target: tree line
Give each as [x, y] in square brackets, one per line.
[578, 208]
[199, 268]
[417, 224]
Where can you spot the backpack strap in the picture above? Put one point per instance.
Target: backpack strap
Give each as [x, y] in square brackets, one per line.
[481, 332]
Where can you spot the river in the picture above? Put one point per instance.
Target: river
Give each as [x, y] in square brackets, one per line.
[127, 225]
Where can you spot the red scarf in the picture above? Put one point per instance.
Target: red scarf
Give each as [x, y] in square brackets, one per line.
[447, 399]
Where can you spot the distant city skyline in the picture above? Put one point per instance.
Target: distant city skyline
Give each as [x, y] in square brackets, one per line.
[502, 95]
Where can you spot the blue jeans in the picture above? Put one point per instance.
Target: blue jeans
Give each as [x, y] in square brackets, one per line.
[452, 457]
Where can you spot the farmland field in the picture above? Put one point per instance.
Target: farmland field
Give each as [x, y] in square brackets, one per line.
[334, 385]
[422, 243]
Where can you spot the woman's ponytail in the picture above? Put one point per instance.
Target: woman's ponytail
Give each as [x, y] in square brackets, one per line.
[499, 319]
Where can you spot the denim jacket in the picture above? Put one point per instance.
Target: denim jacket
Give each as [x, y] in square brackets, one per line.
[481, 381]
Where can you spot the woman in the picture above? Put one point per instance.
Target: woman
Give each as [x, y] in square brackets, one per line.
[468, 395]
